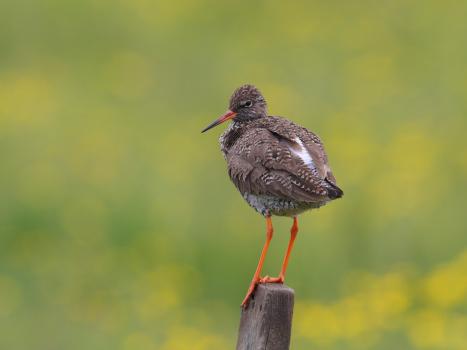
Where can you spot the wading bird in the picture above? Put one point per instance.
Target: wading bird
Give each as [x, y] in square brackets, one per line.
[279, 167]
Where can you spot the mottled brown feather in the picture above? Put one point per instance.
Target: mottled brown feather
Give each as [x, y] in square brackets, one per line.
[260, 161]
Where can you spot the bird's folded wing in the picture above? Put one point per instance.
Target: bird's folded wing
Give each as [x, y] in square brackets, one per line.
[300, 136]
[264, 163]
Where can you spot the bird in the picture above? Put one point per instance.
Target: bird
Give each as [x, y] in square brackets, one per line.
[279, 167]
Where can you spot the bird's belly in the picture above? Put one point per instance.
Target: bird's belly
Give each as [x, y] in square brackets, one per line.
[268, 205]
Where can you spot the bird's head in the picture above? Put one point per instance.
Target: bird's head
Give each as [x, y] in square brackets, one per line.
[246, 103]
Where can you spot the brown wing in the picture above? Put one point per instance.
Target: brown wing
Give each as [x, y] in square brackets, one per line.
[261, 162]
[289, 130]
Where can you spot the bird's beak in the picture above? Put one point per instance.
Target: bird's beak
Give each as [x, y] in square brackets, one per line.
[223, 118]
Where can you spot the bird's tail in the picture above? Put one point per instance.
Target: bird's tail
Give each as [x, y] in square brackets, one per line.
[334, 192]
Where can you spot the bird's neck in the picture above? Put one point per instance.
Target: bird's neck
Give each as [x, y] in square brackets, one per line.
[231, 135]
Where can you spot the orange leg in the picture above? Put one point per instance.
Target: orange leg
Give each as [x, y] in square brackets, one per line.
[280, 279]
[256, 278]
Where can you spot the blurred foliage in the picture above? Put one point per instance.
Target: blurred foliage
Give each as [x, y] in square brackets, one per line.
[119, 228]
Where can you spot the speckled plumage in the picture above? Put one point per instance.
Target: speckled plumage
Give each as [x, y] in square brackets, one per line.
[279, 167]
[269, 175]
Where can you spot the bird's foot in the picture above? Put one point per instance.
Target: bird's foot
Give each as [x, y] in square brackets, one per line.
[254, 283]
[250, 291]
[268, 279]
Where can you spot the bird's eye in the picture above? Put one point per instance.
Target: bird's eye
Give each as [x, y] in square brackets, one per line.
[247, 104]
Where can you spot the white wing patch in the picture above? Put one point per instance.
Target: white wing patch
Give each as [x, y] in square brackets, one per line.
[303, 154]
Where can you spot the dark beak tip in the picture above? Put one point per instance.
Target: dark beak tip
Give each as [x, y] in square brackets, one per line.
[208, 128]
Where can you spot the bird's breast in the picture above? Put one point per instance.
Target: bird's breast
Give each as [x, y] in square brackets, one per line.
[229, 137]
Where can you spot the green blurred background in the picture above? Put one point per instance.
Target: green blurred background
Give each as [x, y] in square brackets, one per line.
[119, 227]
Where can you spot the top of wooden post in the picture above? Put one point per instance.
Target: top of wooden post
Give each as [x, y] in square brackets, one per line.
[266, 323]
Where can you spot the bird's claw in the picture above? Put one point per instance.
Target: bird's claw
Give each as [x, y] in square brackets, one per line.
[249, 293]
[251, 289]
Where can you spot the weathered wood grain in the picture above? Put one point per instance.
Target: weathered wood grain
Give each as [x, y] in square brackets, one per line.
[267, 321]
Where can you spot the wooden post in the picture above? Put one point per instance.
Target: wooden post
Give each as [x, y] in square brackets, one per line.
[267, 321]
